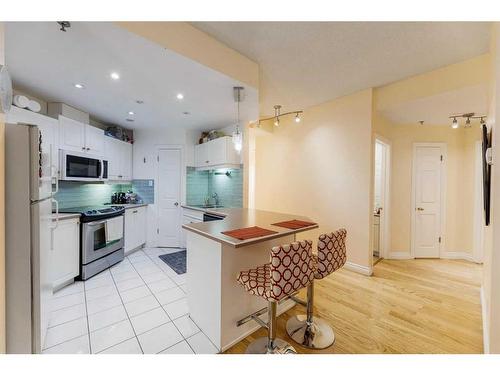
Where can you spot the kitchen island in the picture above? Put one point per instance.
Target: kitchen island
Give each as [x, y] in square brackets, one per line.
[216, 301]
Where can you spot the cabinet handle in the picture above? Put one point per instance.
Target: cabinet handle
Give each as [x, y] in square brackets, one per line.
[134, 212]
[83, 148]
[88, 148]
[206, 161]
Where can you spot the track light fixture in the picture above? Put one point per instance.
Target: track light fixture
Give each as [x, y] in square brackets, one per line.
[278, 115]
[467, 117]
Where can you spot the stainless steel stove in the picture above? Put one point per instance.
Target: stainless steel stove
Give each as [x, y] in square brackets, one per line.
[101, 238]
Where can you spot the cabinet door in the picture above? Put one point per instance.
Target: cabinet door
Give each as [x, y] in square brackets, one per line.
[217, 151]
[141, 224]
[71, 135]
[130, 236]
[112, 155]
[187, 220]
[65, 259]
[126, 161]
[201, 155]
[94, 140]
[232, 156]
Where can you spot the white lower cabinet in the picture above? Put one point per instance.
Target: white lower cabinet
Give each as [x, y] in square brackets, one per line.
[65, 259]
[135, 228]
[188, 217]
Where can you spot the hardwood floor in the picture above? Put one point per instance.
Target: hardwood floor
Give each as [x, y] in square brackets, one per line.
[407, 306]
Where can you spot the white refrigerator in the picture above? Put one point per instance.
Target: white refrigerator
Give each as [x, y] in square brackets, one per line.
[29, 177]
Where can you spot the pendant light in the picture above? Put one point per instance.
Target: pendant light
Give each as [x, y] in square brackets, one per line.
[454, 123]
[237, 135]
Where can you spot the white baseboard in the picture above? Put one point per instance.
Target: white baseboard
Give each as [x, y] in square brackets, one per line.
[486, 336]
[358, 268]
[463, 255]
[399, 255]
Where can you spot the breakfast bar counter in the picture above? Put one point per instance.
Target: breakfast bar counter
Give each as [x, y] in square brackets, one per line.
[216, 301]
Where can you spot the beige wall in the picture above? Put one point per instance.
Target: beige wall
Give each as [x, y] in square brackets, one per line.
[460, 143]
[322, 169]
[2, 210]
[188, 41]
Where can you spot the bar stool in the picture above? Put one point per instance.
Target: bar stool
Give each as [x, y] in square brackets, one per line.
[308, 330]
[291, 268]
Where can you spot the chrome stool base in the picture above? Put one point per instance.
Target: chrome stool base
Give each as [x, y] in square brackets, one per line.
[260, 346]
[315, 335]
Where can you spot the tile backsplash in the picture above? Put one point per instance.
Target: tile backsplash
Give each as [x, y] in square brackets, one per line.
[202, 184]
[77, 194]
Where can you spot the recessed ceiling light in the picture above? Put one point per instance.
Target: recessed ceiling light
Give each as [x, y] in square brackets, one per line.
[114, 75]
[131, 113]
[130, 120]
[180, 96]
[78, 85]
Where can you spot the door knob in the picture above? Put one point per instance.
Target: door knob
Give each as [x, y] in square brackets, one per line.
[176, 203]
[420, 209]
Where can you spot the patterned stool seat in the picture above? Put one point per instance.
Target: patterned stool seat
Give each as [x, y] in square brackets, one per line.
[291, 268]
[257, 281]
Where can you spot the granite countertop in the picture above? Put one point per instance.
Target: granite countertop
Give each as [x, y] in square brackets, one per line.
[65, 216]
[235, 218]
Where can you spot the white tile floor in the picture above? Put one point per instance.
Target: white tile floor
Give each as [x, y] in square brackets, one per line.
[137, 306]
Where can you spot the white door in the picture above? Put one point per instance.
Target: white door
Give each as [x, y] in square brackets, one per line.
[428, 173]
[169, 195]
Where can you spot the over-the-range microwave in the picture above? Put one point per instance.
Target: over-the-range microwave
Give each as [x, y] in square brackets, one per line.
[78, 166]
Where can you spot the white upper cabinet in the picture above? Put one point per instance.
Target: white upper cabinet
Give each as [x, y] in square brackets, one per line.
[119, 156]
[80, 137]
[94, 140]
[126, 160]
[71, 135]
[218, 153]
[201, 155]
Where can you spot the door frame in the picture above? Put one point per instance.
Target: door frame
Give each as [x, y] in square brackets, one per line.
[478, 234]
[444, 149]
[385, 227]
[182, 185]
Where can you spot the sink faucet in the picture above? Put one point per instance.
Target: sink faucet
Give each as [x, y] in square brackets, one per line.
[216, 197]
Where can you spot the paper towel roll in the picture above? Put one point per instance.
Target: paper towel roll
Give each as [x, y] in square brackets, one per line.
[21, 101]
[34, 106]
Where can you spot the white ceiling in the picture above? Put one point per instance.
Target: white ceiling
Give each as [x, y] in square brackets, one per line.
[48, 62]
[307, 63]
[436, 109]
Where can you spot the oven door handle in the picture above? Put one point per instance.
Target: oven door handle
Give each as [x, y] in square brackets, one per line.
[95, 223]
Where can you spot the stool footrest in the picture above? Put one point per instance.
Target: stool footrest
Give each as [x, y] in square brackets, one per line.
[298, 300]
[255, 315]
